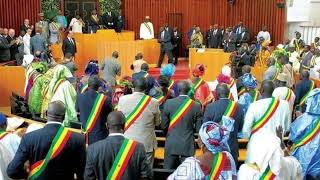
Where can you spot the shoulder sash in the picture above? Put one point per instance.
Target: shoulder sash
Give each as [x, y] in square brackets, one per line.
[148, 27]
[289, 94]
[308, 136]
[3, 134]
[219, 161]
[231, 109]
[304, 98]
[84, 88]
[180, 113]
[95, 112]
[267, 174]
[58, 83]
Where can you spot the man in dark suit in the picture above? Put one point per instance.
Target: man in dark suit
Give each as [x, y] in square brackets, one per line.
[180, 138]
[108, 20]
[84, 106]
[166, 46]
[191, 31]
[144, 73]
[35, 145]
[14, 48]
[215, 111]
[302, 88]
[244, 37]
[239, 28]
[176, 41]
[101, 156]
[229, 40]
[5, 47]
[214, 37]
[69, 45]
[119, 22]
[94, 22]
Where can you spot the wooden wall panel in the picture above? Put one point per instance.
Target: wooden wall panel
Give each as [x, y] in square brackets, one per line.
[254, 14]
[13, 12]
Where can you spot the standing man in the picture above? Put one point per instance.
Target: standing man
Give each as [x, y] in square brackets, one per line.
[214, 37]
[5, 47]
[146, 29]
[66, 159]
[38, 42]
[166, 46]
[69, 44]
[226, 107]
[93, 108]
[229, 40]
[306, 58]
[142, 116]
[119, 22]
[104, 157]
[239, 28]
[302, 90]
[297, 42]
[264, 34]
[26, 25]
[244, 37]
[108, 20]
[144, 73]
[14, 48]
[94, 22]
[44, 25]
[111, 68]
[176, 41]
[180, 116]
[26, 42]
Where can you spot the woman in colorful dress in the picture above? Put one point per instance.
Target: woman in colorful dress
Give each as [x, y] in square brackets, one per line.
[269, 159]
[200, 89]
[248, 94]
[216, 161]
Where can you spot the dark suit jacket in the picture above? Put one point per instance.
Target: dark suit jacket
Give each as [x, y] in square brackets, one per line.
[84, 104]
[230, 42]
[119, 23]
[101, 155]
[4, 49]
[165, 42]
[244, 37]
[180, 140]
[301, 89]
[69, 47]
[215, 111]
[150, 80]
[34, 147]
[176, 39]
[108, 21]
[214, 40]
[14, 48]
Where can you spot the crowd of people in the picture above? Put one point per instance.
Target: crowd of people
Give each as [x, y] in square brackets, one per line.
[118, 119]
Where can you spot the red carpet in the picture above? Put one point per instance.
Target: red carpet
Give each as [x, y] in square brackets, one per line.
[182, 71]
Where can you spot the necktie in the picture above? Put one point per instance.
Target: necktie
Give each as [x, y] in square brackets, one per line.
[162, 35]
[70, 39]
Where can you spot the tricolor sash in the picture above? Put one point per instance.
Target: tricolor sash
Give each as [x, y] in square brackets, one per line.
[267, 174]
[161, 99]
[242, 91]
[3, 134]
[180, 113]
[137, 111]
[122, 159]
[219, 161]
[56, 147]
[56, 25]
[255, 96]
[304, 98]
[230, 96]
[84, 88]
[231, 83]
[95, 112]
[55, 87]
[171, 85]
[148, 27]
[308, 136]
[195, 87]
[231, 109]
[289, 94]
[266, 116]
[146, 75]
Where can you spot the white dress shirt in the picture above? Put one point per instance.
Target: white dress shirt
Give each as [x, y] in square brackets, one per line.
[26, 44]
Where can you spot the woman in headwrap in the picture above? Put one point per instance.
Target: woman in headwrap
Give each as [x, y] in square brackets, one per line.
[248, 94]
[124, 87]
[61, 88]
[216, 162]
[200, 89]
[168, 71]
[91, 69]
[225, 77]
[161, 92]
[268, 160]
[307, 150]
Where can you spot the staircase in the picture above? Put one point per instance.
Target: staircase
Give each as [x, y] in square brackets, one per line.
[182, 71]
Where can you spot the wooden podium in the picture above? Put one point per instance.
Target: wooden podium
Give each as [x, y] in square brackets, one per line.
[212, 59]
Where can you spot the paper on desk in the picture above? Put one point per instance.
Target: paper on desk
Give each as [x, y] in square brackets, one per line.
[13, 123]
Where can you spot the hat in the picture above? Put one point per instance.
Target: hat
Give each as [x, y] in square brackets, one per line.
[280, 46]
[147, 17]
[226, 70]
[282, 77]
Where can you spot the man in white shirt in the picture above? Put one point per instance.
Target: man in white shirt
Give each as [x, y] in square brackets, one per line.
[264, 33]
[266, 114]
[146, 29]
[26, 42]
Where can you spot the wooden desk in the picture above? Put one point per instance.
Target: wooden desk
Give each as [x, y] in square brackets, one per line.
[151, 51]
[212, 59]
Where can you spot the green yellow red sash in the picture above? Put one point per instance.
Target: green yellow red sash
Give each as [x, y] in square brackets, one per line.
[3, 134]
[95, 112]
[255, 96]
[56, 147]
[242, 91]
[231, 83]
[267, 174]
[266, 116]
[161, 99]
[171, 84]
[137, 111]
[122, 159]
[55, 87]
[195, 87]
[146, 75]
[219, 160]
[84, 88]
[308, 136]
[56, 25]
[304, 98]
[230, 96]
[231, 109]
[182, 110]
[289, 94]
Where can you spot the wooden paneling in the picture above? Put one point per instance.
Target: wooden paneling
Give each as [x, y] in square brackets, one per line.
[13, 12]
[254, 14]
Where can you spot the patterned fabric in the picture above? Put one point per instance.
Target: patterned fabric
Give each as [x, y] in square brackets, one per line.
[198, 70]
[168, 70]
[249, 81]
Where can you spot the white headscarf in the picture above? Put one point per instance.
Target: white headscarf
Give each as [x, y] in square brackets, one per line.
[226, 70]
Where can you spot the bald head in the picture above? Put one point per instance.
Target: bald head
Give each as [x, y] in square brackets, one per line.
[56, 111]
[115, 122]
[222, 90]
[184, 87]
[115, 54]
[305, 75]
[267, 88]
[145, 67]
